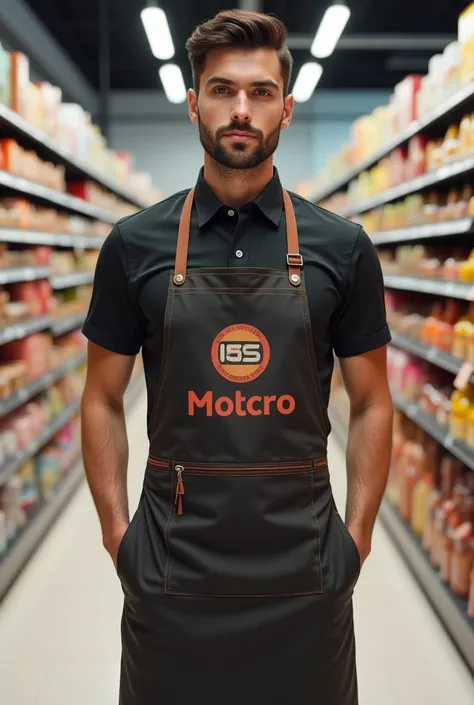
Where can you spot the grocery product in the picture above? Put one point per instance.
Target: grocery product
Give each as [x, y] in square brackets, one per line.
[422, 492]
[4, 76]
[28, 165]
[19, 86]
[466, 40]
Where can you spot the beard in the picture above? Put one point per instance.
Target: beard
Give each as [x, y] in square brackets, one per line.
[239, 155]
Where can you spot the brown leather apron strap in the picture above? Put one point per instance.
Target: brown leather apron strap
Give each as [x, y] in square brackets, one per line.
[183, 241]
[293, 258]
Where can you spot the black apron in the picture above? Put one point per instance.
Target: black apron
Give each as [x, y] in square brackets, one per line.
[237, 570]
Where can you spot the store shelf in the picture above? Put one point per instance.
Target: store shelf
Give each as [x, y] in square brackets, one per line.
[39, 385]
[36, 529]
[50, 430]
[444, 173]
[57, 198]
[64, 281]
[423, 232]
[453, 105]
[33, 325]
[21, 330]
[428, 353]
[37, 237]
[9, 275]
[46, 146]
[450, 609]
[441, 434]
[66, 324]
[456, 290]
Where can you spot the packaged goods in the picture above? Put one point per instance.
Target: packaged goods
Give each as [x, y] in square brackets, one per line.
[19, 83]
[466, 41]
[5, 86]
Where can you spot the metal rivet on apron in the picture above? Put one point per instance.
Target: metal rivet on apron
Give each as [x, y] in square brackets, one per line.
[178, 279]
[295, 279]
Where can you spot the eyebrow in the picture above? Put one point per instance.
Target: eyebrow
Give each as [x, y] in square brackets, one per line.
[267, 83]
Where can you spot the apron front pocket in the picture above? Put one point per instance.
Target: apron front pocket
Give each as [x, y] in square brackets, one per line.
[243, 531]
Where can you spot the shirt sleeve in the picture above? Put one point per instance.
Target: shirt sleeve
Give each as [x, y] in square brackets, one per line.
[114, 320]
[360, 323]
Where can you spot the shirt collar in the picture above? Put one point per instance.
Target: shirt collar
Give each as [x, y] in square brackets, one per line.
[269, 202]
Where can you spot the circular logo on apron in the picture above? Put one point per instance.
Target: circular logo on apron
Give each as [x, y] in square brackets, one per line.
[240, 353]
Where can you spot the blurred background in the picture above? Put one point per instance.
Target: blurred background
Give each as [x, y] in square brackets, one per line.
[94, 126]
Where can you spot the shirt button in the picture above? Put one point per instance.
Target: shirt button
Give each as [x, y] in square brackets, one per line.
[231, 213]
[239, 254]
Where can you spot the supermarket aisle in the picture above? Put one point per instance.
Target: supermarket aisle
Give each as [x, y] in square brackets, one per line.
[59, 626]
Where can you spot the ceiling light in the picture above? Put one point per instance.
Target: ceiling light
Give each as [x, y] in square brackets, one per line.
[329, 32]
[173, 83]
[306, 81]
[158, 32]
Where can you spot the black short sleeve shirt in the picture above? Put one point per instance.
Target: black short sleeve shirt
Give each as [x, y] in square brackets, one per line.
[343, 277]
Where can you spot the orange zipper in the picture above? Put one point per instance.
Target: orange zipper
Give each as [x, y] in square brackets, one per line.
[288, 467]
[158, 463]
[207, 470]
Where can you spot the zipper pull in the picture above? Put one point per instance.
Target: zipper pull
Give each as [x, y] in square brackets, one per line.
[179, 489]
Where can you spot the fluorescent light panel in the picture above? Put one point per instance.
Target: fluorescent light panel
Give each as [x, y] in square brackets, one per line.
[329, 32]
[173, 83]
[158, 32]
[306, 81]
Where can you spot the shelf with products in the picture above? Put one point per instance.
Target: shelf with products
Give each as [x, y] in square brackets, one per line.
[71, 203]
[426, 124]
[439, 554]
[64, 325]
[42, 511]
[34, 325]
[10, 275]
[439, 433]
[31, 237]
[429, 353]
[444, 173]
[65, 281]
[457, 290]
[24, 328]
[441, 405]
[13, 123]
[452, 108]
[424, 231]
[10, 466]
[35, 116]
[25, 544]
[31, 390]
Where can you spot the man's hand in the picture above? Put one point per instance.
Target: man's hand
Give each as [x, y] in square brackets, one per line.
[363, 543]
[113, 540]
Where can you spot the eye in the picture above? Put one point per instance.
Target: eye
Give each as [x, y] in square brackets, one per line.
[221, 90]
[262, 92]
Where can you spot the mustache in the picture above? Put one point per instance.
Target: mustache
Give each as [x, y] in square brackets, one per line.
[242, 126]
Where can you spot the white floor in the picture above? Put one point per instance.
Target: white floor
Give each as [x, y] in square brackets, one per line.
[59, 625]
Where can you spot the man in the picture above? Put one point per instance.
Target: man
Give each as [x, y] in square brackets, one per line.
[237, 570]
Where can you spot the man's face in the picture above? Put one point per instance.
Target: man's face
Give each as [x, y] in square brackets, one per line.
[241, 106]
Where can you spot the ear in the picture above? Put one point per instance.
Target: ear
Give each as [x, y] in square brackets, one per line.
[287, 112]
[193, 106]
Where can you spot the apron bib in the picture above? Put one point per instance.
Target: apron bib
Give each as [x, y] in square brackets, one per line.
[237, 570]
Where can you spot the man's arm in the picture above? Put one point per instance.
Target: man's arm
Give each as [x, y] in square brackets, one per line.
[369, 444]
[104, 440]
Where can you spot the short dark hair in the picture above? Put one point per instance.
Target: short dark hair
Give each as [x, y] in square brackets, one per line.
[239, 28]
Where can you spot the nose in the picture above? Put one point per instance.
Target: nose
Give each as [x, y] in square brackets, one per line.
[241, 109]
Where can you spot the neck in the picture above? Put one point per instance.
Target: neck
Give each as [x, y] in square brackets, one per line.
[234, 187]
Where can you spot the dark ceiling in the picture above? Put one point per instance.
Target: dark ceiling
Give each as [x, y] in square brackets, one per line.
[75, 25]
